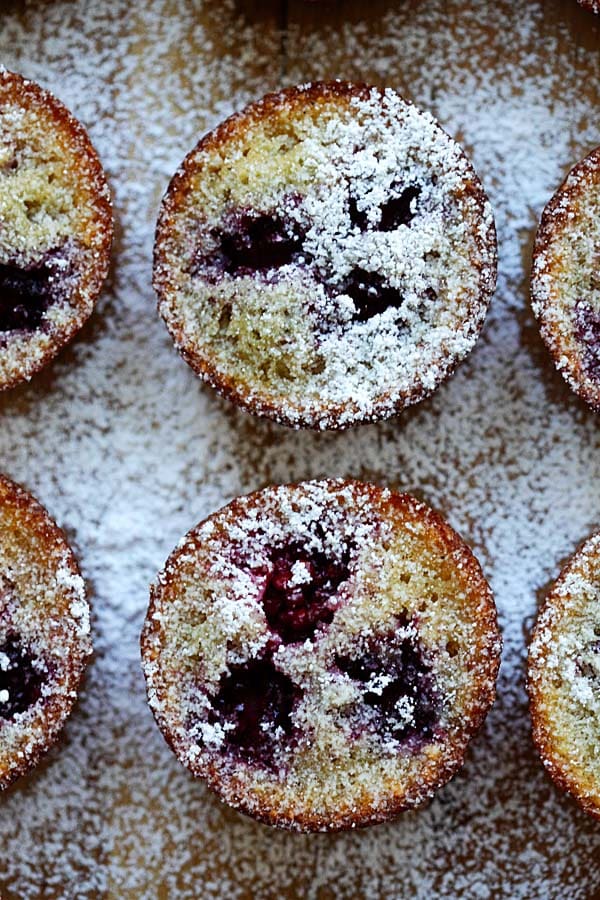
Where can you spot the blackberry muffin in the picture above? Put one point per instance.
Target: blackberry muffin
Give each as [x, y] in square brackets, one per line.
[565, 284]
[44, 631]
[564, 679]
[321, 653]
[326, 256]
[55, 227]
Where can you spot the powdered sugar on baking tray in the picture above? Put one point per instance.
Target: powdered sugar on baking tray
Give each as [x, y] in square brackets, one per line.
[128, 451]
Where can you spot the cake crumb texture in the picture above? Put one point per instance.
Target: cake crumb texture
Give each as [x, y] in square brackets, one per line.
[564, 281]
[321, 653]
[45, 636]
[55, 227]
[326, 256]
[564, 678]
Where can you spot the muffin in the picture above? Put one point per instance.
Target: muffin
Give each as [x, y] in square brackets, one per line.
[321, 653]
[564, 678]
[44, 631]
[326, 256]
[565, 284]
[55, 228]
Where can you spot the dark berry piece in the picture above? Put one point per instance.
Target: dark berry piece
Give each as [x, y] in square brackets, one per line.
[406, 680]
[371, 295]
[259, 241]
[394, 212]
[258, 701]
[26, 292]
[301, 584]
[358, 217]
[587, 332]
[397, 211]
[19, 678]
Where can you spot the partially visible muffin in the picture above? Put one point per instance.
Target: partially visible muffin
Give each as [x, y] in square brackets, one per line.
[55, 227]
[565, 283]
[321, 653]
[564, 678]
[326, 256]
[44, 631]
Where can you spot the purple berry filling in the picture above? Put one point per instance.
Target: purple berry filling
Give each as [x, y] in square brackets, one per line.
[26, 292]
[299, 591]
[587, 332]
[405, 676]
[256, 242]
[397, 211]
[253, 241]
[257, 700]
[371, 295]
[394, 212]
[358, 217]
[19, 676]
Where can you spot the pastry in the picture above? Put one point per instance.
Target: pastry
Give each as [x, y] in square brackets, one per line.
[564, 678]
[44, 631]
[55, 228]
[326, 256]
[565, 283]
[321, 653]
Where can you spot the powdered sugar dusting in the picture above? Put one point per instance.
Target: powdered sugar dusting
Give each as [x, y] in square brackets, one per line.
[564, 677]
[126, 449]
[44, 632]
[318, 708]
[55, 228]
[331, 251]
[565, 286]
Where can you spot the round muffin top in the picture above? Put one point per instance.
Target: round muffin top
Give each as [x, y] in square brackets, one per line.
[326, 256]
[55, 227]
[564, 678]
[321, 653]
[44, 631]
[565, 283]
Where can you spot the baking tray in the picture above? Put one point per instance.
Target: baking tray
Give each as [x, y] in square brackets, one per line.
[128, 450]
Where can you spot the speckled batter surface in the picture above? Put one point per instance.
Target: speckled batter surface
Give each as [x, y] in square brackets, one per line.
[326, 256]
[127, 449]
[55, 227]
[321, 653]
[564, 678]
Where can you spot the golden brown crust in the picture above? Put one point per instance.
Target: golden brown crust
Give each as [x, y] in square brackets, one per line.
[436, 766]
[330, 415]
[554, 288]
[37, 558]
[91, 191]
[547, 667]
